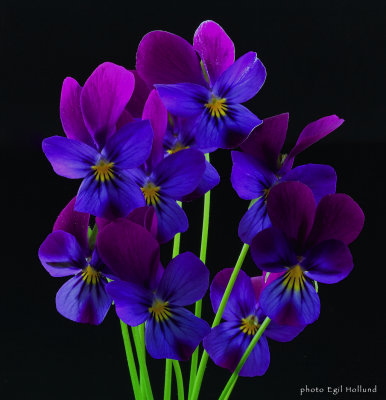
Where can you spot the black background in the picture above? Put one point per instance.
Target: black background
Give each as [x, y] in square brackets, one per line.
[322, 58]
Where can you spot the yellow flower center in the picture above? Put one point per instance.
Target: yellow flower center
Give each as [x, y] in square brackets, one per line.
[151, 193]
[91, 275]
[294, 278]
[160, 310]
[217, 107]
[250, 325]
[177, 147]
[103, 171]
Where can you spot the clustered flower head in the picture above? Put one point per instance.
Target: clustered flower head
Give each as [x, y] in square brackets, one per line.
[139, 141]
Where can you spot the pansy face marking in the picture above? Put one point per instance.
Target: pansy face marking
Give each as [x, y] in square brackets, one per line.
[151, 193]
[160, 310]
[294, 279]
[177, 147]
[250, 325]
[217, 106]
[103, 171]
[91, 275]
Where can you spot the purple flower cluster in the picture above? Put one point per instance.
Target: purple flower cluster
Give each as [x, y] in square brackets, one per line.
[137, 141]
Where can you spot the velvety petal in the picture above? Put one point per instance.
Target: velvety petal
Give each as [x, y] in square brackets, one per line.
[184, 99]
[130, 146]
[258, 285]
[131, 301]
[110, 199]
[321, 179]
[104, 97]
[157, 114]
[288, 304]
[171, 219]
[180, 173]
[83, 302]
[328, 262]
[166, 58]
[338, 217]
[71, 113]
[125, 118]
[272, 251]
[241, 302]
[146, 217]
[69, 158]
[242, 80]
[282, 333]
[291, 208]
[130, 251]
[226, 344]
[209, 180]
[266, 141]
[254, 220]
[185, 280]
[138, 98]
[61, 254]
[249, 177]
[177, 337]
[215, 48]
[73, 222]
[311, 134]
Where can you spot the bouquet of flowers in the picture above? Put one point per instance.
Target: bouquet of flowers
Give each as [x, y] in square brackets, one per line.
[140, 142]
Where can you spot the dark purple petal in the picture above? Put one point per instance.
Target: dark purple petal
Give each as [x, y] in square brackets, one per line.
[226, 344]
[131, 301]
[321, 179]
[185, 280]
[111, 199]
[241, 302]
[73, 222]
[104, 97]
[267, 140]
[328, 262]
[180, 173]
[130, 251]
[177, 337]
[215, 48]
[258, 285]
[338, 217]
[254, 220]
[282, 333]
[69, 158]
[71, 113]
[166, 58]
[311, 134]
[242, 80]
[250, 178]
[61, 254]
[139, 96]
[290, 304]
[272, 251]
[146, 217]
[124, 119]
[291, 208]
[83, 302]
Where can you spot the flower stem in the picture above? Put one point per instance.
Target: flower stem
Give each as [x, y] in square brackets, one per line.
[130, 361]
[179, 379]
[232, 380]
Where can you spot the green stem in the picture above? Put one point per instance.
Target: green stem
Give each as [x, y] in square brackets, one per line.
[232, 380]
[168, 379]
[179, 379]
[130, 360]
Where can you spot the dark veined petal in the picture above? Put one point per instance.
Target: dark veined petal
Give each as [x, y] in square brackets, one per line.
[176, 337]
[73, 222]
[132, 302]
[282, 333]
[226, 344]
[138, 98]
[185, 280]
[242, 80]
[69, 158]
[61, 254]
[328, 262]
[215, 48]
[241, 302]
[104, 97]
[83, 302]
[266, 141]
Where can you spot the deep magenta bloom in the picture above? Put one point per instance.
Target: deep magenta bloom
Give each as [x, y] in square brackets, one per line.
[101, 146]
[171, 330]
[228, 341]
[306, 242]
[261, 166]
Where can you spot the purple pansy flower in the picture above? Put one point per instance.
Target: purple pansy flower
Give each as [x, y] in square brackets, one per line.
[228, 341]
[171, 330]
[94, 149]
[306, 242]
[261, 166]
[171, 64]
